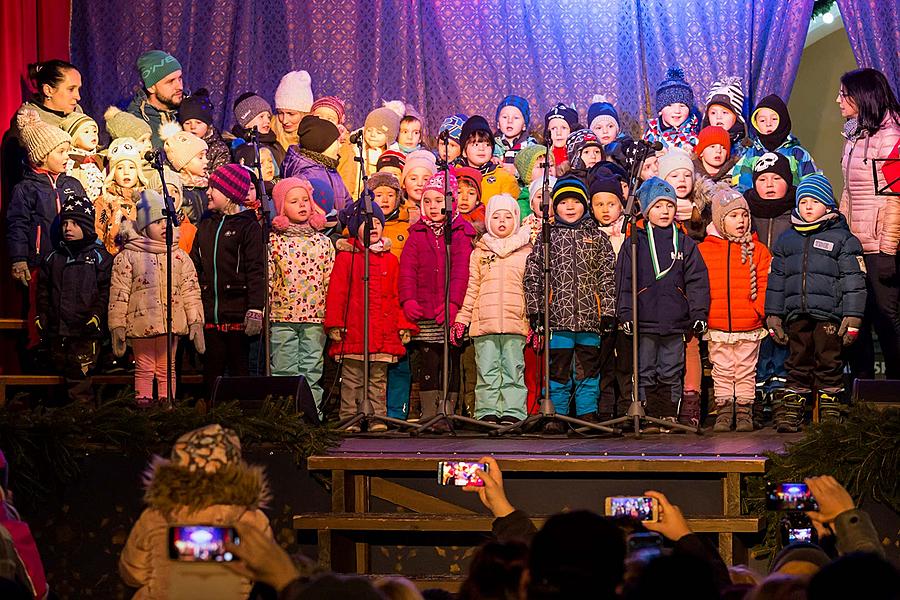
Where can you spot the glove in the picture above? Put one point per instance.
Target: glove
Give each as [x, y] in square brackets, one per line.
[195, 334]
[887, 267]
[253, 322]
[628, 327]
[773, 323]
[537, 323]
[607, 325]
[94, 322]
[849, 329]
[405, 336]
[457, 333]
[335, 334]
[413, 310]
[118, 341]
[21, 272]
[535, 339]
[699, 327]
[439, 319]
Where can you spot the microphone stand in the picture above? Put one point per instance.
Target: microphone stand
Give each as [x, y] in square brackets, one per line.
[266, 211]
[547, 411]
[157, 162]
[365, 413]
[446, 418]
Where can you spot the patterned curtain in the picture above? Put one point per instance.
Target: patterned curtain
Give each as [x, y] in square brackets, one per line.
[443, 55]
[873, 27]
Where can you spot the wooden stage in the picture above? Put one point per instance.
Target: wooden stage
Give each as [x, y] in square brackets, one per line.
[385, 496]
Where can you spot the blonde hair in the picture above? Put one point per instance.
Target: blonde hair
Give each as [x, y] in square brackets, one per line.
[284, 139]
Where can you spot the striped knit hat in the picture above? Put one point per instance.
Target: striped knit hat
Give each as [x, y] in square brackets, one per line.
[817, 187]
[570, 186]
[233, 181]
[332, 103]
[727, 92]
[74, 121]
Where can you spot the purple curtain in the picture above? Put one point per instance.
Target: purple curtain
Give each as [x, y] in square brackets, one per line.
[873, 27]
[443, 55]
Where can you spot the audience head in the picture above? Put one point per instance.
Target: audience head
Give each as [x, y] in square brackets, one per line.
[675, 576]
[331, 586]
[801, 559]
[780, 586]
[857, 575]
[397, 588]
[495, 572]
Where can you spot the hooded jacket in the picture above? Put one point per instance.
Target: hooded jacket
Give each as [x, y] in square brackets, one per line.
[309, 166]
[141, 108]
[300, 264]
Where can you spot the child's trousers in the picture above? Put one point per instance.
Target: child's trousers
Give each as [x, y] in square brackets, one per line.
[352, 387]
[150, 362]
[734, 370]
[615, 373]
[815, 361]
[76, 359]
[693, 365]
[661, 364]
[770, 369]
[500, 389]
[398, 387]
[575, 365]
[298, 349]
[226, 351]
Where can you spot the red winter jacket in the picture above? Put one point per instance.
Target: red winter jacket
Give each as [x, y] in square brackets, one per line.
[344, 304]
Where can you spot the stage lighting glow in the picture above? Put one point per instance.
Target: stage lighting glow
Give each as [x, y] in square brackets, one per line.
[828, 18]
[201, 536]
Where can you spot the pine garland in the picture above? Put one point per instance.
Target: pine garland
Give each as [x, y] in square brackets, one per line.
[820, 7]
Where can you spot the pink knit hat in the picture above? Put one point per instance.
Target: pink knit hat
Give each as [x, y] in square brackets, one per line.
[233, 181]
[436, 184]
[331, 102]
[279, 194]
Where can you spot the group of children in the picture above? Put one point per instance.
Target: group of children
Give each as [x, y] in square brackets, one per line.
[739, 245]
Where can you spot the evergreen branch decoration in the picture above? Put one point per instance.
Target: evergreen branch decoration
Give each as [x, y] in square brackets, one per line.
[820, 7]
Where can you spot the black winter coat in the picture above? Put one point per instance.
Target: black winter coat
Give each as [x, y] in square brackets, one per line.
[819, 274]
[230, 258]
[74, 288]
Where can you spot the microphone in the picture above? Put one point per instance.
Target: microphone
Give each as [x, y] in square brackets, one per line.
[250, 134]
[357, 136]
[155, 156]
[444, 135]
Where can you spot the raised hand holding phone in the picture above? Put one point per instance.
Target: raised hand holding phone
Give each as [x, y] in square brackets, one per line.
[492, 494]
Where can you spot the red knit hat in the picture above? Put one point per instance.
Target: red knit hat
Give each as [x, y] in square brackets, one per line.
[710, 136]
[233, 181]
[471, 176]
[331, 102]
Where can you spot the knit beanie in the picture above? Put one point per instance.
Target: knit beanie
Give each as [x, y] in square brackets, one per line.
[123, 149]
[727, 92]
[601, 109]
[526, 159]
[391, 158]
[516, 102]
[800, 551]
[294, 92]
[674, 89]
[332, 103]
[502, 202]
[418, 158]
[817, 187]
[610, 185]
[607, 168]
[436, 184]
[569, 186]
[182, 147]
[317, 134]
[172, 178]
[775, 139]
[453, 124]
[74, 121]
[196, 106]
[207, 449]
[150, 208]
[655, 190]
[473, 124]
[471, 176]
[560, 111]
[724, 200]
[773, 162]
[156, 65]
[388, 180]
[410, 111]
[233, 181]
[40, 138]
[248, 106]
[578, 141]
[355, 216]
[536, 186]
[675, 158]
[81, 210]
[122, 124]
[710, 136]
[387, 119]
[323, 194]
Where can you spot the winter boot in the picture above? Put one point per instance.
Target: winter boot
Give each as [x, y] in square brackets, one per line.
[759, 408]
[429, 402]
[789, 412]
[689, 414]
[744, 417]
[830, 406]
[724, 416]
[653, 407]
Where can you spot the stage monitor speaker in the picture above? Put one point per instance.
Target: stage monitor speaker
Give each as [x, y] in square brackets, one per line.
[876, 390]
[250, 392]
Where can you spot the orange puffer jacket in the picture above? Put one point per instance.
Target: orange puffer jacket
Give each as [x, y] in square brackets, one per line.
[730, 307]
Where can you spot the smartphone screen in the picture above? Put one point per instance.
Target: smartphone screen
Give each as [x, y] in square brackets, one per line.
[460, 473]
[790, 496]
[642, 508]
[201, 543]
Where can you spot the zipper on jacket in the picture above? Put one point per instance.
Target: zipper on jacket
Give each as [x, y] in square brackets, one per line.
[847, 184]
[803, 270]
[769, 233]
[728, 283]
[215, 258]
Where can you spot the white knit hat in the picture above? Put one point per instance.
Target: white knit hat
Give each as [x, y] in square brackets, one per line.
[502, 202]
[675, 158]
[295, 92]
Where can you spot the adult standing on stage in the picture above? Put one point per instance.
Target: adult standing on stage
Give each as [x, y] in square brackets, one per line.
[158, 100]
[872, 131]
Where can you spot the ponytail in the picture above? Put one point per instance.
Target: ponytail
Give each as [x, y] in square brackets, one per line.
[50, 72]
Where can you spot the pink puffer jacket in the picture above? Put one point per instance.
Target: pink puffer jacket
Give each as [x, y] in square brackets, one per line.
[874, 219]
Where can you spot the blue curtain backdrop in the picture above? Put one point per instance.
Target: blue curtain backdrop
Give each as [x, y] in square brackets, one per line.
[873, 27]
[443, 55]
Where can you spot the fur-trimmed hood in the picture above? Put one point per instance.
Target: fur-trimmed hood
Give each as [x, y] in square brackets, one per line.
[171, 488]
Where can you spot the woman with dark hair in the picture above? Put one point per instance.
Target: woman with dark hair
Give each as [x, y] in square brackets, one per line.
[58, 85]
[872, 131]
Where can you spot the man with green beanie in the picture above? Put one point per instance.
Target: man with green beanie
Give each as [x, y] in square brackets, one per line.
[160, 96]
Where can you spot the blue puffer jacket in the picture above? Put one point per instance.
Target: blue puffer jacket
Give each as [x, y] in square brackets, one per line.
[669, 305]
[819, 274]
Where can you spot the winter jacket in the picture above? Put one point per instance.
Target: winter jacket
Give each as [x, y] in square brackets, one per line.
[730, 305]
[175, 496]
[854, 532]
[344, 306]
[230, 259]
[672, 304]
[194, 201]
[89, 170]
[802, 163]
[32, 226]
[238, 136]
[111, 209]
[217, 151]
[396, 226]
[820, 274]
[582, 278]
[724, 172]
[140, 107]
[313, 166]
[683, 135]
[495, 298]
[875, 220]
[300, 263]
[422, 266]
[73, 289]
[137, 296]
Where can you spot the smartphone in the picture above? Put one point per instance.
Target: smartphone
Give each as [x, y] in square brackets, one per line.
[790, 496]
[797, 527]
[201, 543]
[642, 508]
[644, 541]
[460, 472]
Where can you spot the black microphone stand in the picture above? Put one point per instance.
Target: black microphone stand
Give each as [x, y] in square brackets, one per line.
[157, 162]
[446, 416]
[547, 411]
[266, 211]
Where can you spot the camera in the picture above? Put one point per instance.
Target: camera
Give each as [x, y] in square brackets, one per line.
[797, 527]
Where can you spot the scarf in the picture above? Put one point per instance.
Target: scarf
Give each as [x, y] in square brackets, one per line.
[191, 180]
[437, 227]
[326, 161]
[503, 247]
[657, 272]
[770, 209]
[747, 246]
[804, 228]
[298, 230]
